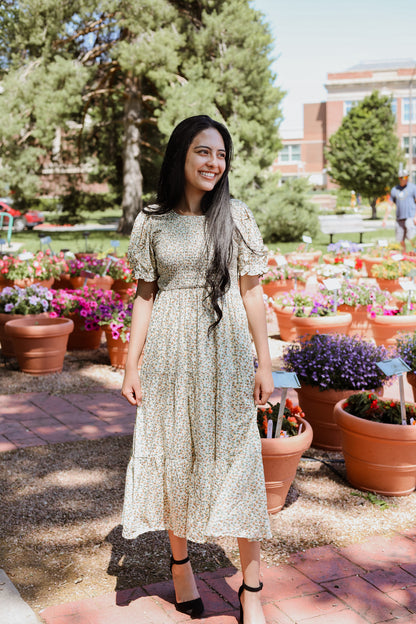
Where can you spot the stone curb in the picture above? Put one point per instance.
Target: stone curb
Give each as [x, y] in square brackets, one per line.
[13, 608]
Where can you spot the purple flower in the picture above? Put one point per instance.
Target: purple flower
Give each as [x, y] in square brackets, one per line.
[8, 307]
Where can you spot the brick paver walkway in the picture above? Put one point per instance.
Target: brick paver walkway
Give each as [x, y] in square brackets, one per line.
[374, 581]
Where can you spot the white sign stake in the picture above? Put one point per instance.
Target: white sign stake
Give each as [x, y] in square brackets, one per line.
[396, 366]
[283, 380]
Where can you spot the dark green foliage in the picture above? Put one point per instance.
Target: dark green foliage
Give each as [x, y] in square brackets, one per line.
[364, 153]
[285, 213]
[116, 76]
[369, 406]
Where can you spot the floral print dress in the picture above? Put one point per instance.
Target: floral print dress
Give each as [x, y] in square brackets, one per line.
[196, 465]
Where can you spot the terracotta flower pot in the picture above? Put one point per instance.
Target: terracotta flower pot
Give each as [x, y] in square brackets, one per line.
[30, 281]
[99, 281]
[308, 326]
[6, 342]
[386, 328]
[360, 325]
[121, 287]
[286, 328]
[280, 461]
[40, 345]
[63, 281]
[369, 262]
[306, 257]
[4, 282]
[278, 286]
[379, 457]
[81, 339]
[117, 349]
[388, 284]
[318, 407]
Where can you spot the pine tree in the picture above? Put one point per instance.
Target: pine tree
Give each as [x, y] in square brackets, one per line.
[364, 153]
[117, 75]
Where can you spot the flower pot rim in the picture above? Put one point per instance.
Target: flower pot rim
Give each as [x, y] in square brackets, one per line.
[292, 441]
[55, 326]
[375, 429]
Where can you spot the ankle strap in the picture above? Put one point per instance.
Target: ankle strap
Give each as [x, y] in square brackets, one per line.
[173, 562]
[253, 589]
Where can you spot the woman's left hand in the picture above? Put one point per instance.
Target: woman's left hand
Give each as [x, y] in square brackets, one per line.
[263, 385]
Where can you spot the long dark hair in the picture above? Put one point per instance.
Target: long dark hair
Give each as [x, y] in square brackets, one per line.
[215, 204]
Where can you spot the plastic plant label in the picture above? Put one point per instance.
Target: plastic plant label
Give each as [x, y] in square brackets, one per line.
[332, 283]
[395, 366]
[382, 242]
[407, 284]
[307, 239]
[270, 428]
[115, 243]
[345, 244]
[26, 255]
[397, 257]
[349, 263]
[280, 260]
[284, 379]
[112, 258]
[88, 274]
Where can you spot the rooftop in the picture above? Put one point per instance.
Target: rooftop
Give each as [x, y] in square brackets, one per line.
[381, 65]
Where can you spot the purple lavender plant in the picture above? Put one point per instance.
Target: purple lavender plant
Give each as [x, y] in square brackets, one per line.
[337, 362]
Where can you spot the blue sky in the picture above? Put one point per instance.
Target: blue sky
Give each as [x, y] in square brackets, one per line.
[314, 37]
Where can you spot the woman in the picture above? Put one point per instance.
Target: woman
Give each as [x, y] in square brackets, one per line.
[196, 467]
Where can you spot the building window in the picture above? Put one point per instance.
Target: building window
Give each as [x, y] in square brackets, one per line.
[290, 153]
[406, 110]
[406, 146]
[348, 105]
[394, 107]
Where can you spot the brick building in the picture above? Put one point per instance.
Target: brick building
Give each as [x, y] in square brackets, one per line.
[303, 156]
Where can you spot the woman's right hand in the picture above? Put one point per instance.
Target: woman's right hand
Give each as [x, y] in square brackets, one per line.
[131, 388]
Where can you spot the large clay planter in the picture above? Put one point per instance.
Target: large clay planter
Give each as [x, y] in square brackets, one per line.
[369, 262]
[122, 287]
[379, 458]
[386, 328]
[40, 345]
[99, 281]
[278, 286]
[307, 257]
[306, 327]
[360, 325]
[29, 281]
[4, 282]
[6, 342]
[318, 407]
[388, 284]
[63, 281]
[280, 461]
[81, 339]
[117, 349]
[284, 314]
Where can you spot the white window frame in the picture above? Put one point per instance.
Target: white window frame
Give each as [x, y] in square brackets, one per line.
[290, 160]
[413, 109]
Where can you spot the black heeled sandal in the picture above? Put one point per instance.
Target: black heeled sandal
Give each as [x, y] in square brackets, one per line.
[195, 607]
[240, 591]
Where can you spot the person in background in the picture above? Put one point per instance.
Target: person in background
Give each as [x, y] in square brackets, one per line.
[403, 197]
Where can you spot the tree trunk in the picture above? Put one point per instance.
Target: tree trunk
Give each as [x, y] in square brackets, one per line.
[374, 208]
[132, 175]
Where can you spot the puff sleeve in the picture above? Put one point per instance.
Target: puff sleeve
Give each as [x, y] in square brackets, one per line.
[252, 257]
[140, 253]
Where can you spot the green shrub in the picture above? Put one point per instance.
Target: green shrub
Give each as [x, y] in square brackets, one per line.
[285, 214]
